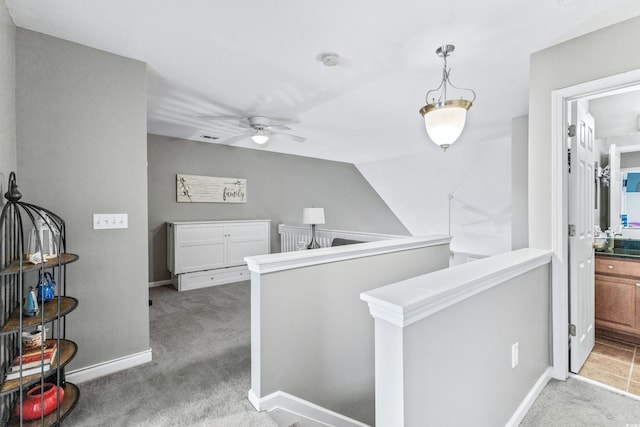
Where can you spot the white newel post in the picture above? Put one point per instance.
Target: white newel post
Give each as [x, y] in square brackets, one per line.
[389, 373]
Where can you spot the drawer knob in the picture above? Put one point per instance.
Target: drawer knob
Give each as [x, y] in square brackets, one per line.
[611, 267]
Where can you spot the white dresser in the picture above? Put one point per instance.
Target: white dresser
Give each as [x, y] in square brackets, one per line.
[209, 253]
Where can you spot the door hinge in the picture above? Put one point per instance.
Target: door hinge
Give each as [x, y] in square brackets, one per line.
[572, 329]
[572, 230]
[571, 131]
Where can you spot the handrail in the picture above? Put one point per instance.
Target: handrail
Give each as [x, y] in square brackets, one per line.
[290, 260]
[411, 300]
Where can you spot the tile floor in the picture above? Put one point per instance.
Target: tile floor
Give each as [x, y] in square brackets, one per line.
[614, 363]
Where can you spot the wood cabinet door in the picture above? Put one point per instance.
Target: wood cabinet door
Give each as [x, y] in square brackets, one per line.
[615, 303]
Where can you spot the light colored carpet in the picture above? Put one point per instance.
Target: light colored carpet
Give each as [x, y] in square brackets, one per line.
[200, 373]
[574, 403]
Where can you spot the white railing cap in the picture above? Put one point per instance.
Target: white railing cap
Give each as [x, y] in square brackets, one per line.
[408, 301]
[289, 260]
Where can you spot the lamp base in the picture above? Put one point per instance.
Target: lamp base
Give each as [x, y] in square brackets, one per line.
[314, 243]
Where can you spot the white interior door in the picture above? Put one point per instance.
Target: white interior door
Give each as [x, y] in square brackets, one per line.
[581, 220]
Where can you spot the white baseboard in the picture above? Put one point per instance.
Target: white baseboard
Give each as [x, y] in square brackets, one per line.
[528, 401]
[160, 283]
[109, 367]
[255, 400]
[287, 407]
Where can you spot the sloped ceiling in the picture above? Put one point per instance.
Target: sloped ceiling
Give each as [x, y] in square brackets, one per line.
[252, 57]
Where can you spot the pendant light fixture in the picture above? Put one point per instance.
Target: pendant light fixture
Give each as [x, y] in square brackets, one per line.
[444, 118]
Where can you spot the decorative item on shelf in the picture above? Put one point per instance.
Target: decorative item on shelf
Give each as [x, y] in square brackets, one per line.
[38, 368]
[30, 307]
[41, 245]
[34, 339]
[45, 287]
[35, 356]
[445, 118]
[41, 400]
[313, 216]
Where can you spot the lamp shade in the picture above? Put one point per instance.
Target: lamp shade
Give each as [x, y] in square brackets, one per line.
[313, 216]
[445, 122]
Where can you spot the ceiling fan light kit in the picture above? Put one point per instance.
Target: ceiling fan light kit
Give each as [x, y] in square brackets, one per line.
[260, 137]
[444, 119]
[259, 129]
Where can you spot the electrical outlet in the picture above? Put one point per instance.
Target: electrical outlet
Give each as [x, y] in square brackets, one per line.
[514, 355]
[110, 221]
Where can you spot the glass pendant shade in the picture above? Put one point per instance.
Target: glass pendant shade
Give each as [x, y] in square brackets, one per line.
[445, 118]
[260, 137]
[444, 123]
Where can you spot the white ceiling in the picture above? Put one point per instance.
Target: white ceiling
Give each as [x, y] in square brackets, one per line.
[616, 115]
[260, 58]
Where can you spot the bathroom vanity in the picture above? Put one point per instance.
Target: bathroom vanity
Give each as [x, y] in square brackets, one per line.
[617, 291]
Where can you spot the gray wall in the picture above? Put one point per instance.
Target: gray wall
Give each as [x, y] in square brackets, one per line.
[576, 61]
[519, 182]
[7, 98]
[312, 336]
[630, 160]
[82, 149]
[279, 186]
[457, 362]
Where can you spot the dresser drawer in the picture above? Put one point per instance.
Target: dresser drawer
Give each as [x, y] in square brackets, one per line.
[220, 276]
[617, 266]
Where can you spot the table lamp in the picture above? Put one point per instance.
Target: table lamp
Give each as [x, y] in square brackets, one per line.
[313, 216]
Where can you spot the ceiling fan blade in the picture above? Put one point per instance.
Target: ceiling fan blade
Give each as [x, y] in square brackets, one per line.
[278, 127]
[236, 138]
[289, 136]
[209, 117]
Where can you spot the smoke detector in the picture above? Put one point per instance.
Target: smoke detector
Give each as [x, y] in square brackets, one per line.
[329, 59]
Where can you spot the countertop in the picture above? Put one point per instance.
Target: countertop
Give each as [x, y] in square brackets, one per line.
[622, 248]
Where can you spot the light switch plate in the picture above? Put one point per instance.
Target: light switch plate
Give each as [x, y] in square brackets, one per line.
[110, 221]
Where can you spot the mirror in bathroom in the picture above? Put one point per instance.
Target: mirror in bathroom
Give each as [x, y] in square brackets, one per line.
[617, 150]
[630, 197]
[623, 193]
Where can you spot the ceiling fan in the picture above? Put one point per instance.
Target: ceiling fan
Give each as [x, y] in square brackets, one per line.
[259, 130]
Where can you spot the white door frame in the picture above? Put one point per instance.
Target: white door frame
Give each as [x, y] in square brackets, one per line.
[559, 208]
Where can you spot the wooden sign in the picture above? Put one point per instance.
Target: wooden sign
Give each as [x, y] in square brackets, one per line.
[209, 189]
